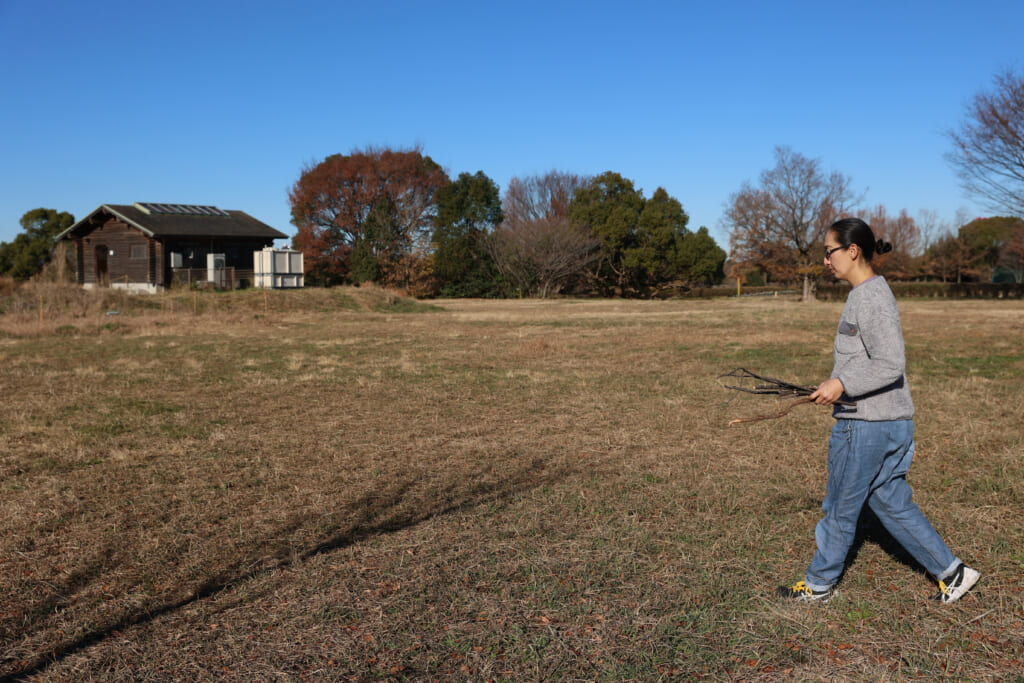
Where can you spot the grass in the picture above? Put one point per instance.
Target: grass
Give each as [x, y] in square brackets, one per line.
[350, 485]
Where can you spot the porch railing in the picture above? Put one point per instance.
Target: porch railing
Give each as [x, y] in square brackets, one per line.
[221, 278]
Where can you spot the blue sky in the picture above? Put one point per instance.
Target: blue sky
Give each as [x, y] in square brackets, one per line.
[224, 102]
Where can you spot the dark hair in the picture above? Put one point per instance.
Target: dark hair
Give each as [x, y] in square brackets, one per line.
[849, 231]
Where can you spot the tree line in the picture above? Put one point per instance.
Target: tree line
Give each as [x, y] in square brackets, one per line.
[777, 231]
[777, 225]
[395, 217]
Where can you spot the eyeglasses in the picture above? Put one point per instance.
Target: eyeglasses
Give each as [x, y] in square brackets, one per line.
[829, 252]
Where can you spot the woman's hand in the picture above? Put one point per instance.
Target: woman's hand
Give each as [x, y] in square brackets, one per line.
[828, 392]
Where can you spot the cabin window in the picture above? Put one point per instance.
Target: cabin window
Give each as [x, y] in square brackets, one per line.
[138, 251]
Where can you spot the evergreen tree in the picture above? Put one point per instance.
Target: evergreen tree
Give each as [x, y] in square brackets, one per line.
[31, 250]
[467, 210]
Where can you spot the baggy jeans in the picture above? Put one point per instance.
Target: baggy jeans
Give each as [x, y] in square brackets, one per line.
[868, 463]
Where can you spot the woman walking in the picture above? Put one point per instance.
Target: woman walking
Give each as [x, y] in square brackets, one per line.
[872, 442]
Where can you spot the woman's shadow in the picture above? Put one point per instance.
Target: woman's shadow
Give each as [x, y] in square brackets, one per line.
[870, 528]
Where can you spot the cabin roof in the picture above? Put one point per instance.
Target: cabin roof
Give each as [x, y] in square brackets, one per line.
[177, 220]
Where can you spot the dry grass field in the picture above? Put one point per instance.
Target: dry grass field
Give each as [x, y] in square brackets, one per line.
[347, 485]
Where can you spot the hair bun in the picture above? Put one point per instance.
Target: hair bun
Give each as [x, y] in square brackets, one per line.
[882, 247]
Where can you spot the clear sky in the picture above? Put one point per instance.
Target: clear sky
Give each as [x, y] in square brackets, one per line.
[224, 102]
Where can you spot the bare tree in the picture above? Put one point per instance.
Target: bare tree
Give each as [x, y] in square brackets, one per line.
[538, 197]
[988, 147]
[538, 257]
[536, 248]
[904, 235]
[780, 224]
[931, 227]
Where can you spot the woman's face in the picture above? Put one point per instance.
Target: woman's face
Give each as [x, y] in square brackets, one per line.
[837, 257]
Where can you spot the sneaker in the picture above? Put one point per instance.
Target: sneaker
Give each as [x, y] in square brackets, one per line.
[957, 584]
[802, 592]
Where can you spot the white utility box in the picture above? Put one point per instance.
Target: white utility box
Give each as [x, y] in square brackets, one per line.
[278, 268]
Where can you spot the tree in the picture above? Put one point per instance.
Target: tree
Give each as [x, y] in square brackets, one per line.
[779, 226]
[32, 249]
[661, 233]
[641, 239]
[988, 146]
[904, 235]
[537, 249]
[332, 201]
[701, 259]
[545, 196]
[378, 244]
[1011, 258]
[946, 258]
[609, 207]
[984, 240]
[468, 209]
[931, 227]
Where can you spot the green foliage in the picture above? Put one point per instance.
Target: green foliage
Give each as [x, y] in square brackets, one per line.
[1002, 275]
[380, 242]
[31, 250]
[610, 207]
[660, 235]
[365, 267]
[701, 258]
[645, 243]
[470, 201]
[984, 239]
[467, 210]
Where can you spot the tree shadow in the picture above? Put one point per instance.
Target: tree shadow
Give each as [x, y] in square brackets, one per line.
[374, 514]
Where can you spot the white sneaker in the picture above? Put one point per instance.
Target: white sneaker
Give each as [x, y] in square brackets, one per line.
[802, 592]
[956, 585]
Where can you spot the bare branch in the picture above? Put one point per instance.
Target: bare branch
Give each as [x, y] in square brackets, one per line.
[988, 147]
[769, 386]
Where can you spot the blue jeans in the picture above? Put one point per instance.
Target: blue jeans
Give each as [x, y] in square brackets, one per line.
[868, 463]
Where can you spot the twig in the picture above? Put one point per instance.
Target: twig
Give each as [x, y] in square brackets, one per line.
[773, 387]
[772, 416]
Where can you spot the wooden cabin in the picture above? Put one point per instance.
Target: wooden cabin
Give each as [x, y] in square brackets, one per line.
[148, 246]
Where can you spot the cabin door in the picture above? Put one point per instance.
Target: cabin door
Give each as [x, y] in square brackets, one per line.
[102, 274]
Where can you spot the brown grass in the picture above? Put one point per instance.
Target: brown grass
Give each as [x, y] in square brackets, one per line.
[347, 485]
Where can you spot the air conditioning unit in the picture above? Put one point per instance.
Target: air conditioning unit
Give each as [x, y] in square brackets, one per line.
[216, 269]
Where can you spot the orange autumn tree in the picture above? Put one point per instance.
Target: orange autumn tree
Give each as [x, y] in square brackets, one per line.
[365, 215]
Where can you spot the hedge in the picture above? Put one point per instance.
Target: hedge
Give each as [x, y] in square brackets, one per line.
[934, 290]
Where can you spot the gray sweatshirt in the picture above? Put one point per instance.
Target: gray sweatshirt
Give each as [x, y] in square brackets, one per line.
[869, 356]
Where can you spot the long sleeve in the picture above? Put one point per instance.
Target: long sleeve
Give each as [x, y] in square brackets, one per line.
[869, 355]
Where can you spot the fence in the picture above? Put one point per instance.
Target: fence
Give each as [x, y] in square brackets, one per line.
[223, 278]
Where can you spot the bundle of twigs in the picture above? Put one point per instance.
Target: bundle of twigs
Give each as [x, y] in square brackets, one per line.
[768, 386]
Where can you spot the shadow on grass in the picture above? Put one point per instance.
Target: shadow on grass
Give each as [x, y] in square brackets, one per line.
[870, 528]
[376, 514]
